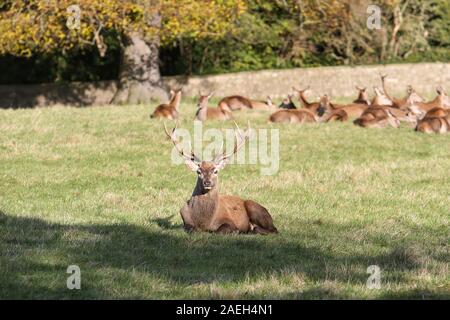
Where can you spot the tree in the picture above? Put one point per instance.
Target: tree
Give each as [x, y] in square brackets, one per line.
[45, 26]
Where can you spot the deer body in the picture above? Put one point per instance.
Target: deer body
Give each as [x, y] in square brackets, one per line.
[261, 105]
[169, 110]
[204, 112]
[352, 110]
[377, 117]
[311, 106]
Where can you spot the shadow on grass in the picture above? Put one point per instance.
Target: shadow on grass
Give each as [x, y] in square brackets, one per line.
[35, 255]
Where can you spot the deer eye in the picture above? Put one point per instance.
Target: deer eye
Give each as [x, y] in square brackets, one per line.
[215, 171]
[199, 171]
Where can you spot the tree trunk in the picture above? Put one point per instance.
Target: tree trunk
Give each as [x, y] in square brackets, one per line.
[139, 76]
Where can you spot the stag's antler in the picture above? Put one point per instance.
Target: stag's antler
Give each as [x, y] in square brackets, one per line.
[175, 142]
[237, 145]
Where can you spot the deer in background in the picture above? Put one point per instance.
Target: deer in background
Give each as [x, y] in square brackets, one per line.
[287, 103]
[208, 113]
[377, 117]
[411, 95]
[330, 111]
[207, 209]
[169, 110]
[236, 102]
[442, 100]
[363, 97]
[311, 106]
[262, 105]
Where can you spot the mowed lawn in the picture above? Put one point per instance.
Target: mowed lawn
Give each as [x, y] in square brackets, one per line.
[95, 187]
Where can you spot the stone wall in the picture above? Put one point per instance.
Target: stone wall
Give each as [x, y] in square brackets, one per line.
[337, 81]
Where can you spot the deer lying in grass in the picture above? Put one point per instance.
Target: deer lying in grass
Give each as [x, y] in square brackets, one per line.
[442, 100]
[436, 120]
[311, 106]
[342, 112]
[363, 97]
[287, 103]
[207, 210]
[208, 113]
[236, 102]
[262, 105]
[169, 110]
[293, 116]
[377, 117]
[411, 95]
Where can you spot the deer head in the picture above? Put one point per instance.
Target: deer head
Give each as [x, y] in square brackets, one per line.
[445, 99]
[324, 105]
[208, 171]
[203, 100]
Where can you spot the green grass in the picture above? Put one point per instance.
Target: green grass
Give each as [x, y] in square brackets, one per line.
[95, 187]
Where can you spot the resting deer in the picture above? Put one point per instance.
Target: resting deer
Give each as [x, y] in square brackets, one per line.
[442, 100]
[287, 103]
[363, 97]
[436, 120]
[328, 110]
[312, 106]
[207, 113]
[233, 103]
[169, 110]
[377, 117]
[262, 105]
[411, 95]
[293, 116]
[207, 210]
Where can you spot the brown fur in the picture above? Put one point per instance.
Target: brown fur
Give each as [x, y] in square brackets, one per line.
[235, 103]
[377, 117]
[363, 97]
[352, 110]
[207, 210]
[207, 113]
[311, 106]
[337, 115]
[169, 110]
[292, 116]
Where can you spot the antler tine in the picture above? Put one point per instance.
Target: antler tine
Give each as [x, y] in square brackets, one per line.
[237, 145]
[175, 142]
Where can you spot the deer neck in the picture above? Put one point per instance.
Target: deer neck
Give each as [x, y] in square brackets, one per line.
[175, 102]
[204, 202]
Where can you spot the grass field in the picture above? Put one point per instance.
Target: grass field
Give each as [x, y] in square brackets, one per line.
[95, 187]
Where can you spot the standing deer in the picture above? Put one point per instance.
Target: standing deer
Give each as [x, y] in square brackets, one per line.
[207, 210]
[207, 113]
[169, 110]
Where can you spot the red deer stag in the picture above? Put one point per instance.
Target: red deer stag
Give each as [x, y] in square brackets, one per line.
[208, 113]
[207, 210]
[169, 110]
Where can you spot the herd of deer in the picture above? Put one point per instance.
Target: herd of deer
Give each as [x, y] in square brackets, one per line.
[207, 210]
[381, 111]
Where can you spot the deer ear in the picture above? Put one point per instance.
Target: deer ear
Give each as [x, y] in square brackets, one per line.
[191, 165]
